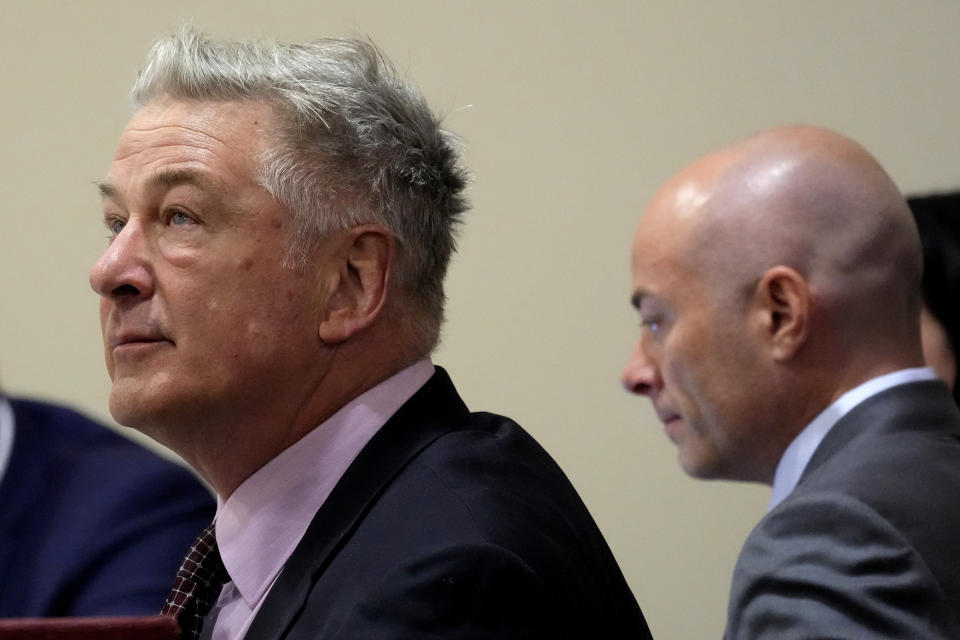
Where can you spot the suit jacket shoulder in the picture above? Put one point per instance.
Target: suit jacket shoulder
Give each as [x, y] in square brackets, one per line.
[92, 523]
[451, 525]
[866, 545]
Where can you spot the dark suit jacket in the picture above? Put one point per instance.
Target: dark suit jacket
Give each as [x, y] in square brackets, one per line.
[451, 524]
[868, 544]
[90, 523]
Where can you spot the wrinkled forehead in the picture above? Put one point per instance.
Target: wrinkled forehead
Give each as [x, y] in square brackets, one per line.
[661, 264]
[231, 125]
[225, 138]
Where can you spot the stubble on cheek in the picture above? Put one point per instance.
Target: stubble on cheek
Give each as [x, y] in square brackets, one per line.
[135, 402]
[158, 382]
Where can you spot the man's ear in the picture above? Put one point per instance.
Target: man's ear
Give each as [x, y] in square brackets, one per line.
[782, 302]
[358, 281]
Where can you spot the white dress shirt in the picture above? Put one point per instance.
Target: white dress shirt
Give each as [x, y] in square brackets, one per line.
[798, 454]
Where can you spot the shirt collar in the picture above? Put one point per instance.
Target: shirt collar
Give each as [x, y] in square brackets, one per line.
[798, 454]
[261, 522]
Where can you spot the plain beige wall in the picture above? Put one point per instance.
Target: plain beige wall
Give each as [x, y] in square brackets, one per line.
[572, 113]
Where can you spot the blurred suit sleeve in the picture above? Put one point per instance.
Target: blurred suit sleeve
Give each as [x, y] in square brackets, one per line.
[92, 524]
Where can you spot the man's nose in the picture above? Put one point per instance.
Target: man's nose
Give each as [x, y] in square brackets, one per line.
[123, 271]
[641, 375]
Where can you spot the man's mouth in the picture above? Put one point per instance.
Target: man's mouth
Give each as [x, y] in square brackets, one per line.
[133, 339]
[667, 417]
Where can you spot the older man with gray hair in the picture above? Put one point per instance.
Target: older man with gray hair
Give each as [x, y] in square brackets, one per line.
[281, 219]
[778, 285]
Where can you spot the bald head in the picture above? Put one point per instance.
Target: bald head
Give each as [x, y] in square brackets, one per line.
[809, 199]
[788, 263]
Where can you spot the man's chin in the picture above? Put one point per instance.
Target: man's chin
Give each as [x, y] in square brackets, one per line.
[699, 466]
[144, 412]
[711, 469]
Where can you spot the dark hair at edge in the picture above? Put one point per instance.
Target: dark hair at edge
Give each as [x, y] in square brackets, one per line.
[938, 220]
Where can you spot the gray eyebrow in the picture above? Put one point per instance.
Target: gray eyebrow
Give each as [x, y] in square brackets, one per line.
[106, 189]
[172, 177]
[163, 178]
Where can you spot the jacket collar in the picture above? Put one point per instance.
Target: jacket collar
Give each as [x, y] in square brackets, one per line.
[434, 410]
[916, 406]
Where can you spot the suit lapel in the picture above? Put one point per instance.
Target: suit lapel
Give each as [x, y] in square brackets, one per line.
[433, 411]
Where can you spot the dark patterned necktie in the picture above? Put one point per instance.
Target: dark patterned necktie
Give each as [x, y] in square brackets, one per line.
[198, 585]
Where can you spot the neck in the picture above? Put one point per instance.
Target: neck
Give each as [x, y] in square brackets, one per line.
[227, 449]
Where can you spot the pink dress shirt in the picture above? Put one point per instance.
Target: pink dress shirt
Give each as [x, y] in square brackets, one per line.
[261, 523]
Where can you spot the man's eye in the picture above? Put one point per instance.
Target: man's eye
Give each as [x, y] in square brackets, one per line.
[652, 325]
[116, 225]
[179, 218]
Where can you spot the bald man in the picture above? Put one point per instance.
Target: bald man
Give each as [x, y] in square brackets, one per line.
[778, 282]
